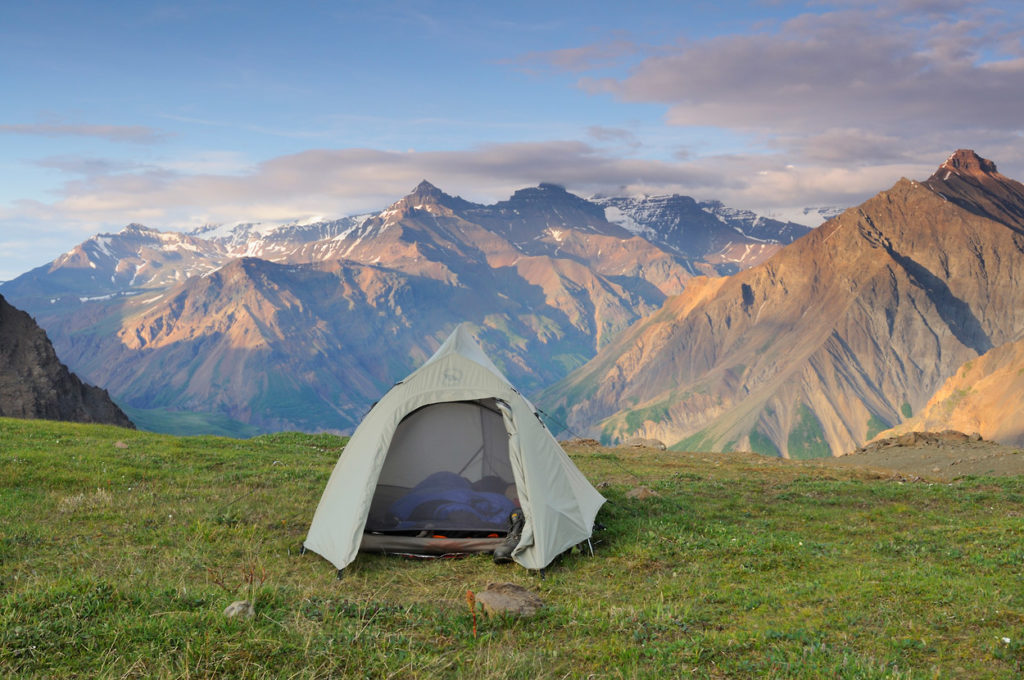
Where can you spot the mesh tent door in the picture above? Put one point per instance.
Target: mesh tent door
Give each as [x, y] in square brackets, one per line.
[447, 468]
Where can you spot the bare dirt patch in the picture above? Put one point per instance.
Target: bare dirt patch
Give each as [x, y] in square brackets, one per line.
[936, 455]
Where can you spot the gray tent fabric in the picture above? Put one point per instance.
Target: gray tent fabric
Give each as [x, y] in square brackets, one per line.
[455, 421]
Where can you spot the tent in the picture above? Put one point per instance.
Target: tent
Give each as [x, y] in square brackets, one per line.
[439, 461]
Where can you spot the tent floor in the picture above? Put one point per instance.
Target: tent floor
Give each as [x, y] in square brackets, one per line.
[427, 545]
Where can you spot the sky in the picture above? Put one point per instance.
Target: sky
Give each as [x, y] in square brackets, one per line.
[180, 114]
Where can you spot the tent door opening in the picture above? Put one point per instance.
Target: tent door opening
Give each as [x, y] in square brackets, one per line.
[447, 474]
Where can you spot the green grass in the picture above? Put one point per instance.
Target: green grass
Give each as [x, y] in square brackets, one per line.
[760, 443]
[906, 410]
[876, 425]
[695, 442]
[117, 561]
[635, 419]
[184, 422]
[806, 437]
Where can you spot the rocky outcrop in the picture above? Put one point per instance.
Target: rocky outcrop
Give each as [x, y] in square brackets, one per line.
[34, 384]
[840, 335]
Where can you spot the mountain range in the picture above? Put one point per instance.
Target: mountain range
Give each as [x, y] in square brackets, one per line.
[847, 331]
[258, 327]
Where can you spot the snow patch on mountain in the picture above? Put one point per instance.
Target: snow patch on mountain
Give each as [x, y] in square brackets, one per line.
[813, 216]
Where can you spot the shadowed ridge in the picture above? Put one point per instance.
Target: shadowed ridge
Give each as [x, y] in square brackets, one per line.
[974, 184]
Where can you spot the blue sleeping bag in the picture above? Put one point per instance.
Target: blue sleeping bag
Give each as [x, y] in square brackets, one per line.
[447, 500]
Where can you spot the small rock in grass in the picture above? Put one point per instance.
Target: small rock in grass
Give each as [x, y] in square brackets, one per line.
[120, 444]
[644, 443]
[641, 493]
[500, 598]
[240, 609]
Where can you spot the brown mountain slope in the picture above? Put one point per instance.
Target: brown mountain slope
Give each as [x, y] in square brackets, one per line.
[986, 395]
[833, 338]
[34, 384]
[312, 346]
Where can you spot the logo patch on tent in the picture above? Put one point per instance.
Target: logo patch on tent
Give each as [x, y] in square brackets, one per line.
[452, 376]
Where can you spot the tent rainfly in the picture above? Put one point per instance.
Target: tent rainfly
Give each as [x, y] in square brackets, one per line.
[442, 460]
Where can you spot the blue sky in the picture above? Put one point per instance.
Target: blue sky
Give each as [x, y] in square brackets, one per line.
[185, 113]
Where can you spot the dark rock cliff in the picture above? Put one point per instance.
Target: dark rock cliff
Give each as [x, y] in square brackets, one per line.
[35, 384]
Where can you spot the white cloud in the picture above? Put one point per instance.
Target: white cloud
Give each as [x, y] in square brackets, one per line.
[859, 83]
[578, 59]
[347, 181]
[843, 69]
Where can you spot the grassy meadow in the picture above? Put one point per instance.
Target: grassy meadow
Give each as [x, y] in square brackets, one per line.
[119, 551]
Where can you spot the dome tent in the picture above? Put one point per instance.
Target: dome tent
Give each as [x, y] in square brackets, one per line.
[427, 470]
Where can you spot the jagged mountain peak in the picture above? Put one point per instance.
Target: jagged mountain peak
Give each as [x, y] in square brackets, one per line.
[427, 196]
[545, 191]
[252, 273]
[136, 228]
[965, 168]
[425, 188]
[973, 183]
[967, 162]
[552, 198]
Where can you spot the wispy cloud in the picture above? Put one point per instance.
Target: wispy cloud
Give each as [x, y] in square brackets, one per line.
[135, 134]
[614, 135]
[583, 58]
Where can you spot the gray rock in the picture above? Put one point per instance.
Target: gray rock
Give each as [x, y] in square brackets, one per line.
[641, 493]
[500, 598]
[240, 609]
[642, 443]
